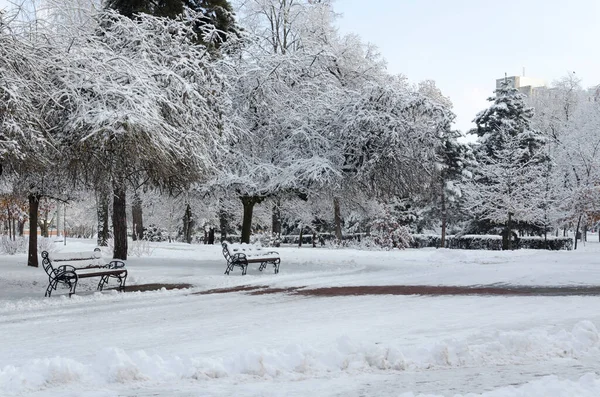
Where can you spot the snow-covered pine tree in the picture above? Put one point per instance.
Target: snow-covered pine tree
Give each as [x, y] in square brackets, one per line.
[454, 162]
[507, 186]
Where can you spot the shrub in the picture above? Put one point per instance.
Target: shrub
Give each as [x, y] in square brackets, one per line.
[387, 233]
[11, 247]
[492, 242]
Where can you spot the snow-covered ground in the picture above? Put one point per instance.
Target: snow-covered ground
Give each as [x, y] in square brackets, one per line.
[179, 343]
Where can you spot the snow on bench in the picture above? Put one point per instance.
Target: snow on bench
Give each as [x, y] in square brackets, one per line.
[242, 254]
[69, 275]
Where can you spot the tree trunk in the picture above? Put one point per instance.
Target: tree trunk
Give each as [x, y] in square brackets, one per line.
[248, 202]
[102, 211]
[120, 220]
[21, 228]
[137, 218]
[188, 224]
[507, 235]
[314, 239]
[276, 220]
[444, 217]
[34, 204]
[337, 218]
[211, 236]
[223, 224]
[577, 231]
[44, 228]
[7, 223]
[301, 236]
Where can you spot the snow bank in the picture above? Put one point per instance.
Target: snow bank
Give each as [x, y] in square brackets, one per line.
[549, 386]
[112, 365]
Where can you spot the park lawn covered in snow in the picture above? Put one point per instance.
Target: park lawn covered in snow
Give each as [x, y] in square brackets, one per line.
[181, 343]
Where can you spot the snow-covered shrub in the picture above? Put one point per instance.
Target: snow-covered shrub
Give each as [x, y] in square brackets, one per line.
[476, 242]
[136, 248]
[388, 233]
[140, 248]
[426, 240]
[265, 239]
[44, 244]
[154, 233]
[551, 243]
[11, 247]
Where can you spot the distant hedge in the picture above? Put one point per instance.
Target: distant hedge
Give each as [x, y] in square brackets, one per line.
[491, 242]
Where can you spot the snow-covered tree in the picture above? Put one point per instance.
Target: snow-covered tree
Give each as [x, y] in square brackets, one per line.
[138, 97]
[512, 157]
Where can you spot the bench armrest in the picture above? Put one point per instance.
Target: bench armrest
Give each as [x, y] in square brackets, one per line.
[116, 264]
[65, 268]
[238, 256]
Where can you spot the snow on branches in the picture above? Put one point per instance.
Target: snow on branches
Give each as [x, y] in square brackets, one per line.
[140, 95]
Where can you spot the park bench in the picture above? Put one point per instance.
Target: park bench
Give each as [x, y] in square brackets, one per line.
[242, 254]
[69, 275]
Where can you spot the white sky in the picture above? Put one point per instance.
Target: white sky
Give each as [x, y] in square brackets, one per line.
[465, 45]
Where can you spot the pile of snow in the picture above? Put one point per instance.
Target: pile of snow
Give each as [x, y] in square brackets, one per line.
[549, 386]
[113, 365]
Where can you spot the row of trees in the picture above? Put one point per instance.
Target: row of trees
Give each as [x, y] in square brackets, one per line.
[183, 105]
[144, 95]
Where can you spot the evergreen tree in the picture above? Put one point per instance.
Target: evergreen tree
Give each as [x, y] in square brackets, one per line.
[508, 182]
[454, 161]
[507, 118]
[220, 15]
[214, 27]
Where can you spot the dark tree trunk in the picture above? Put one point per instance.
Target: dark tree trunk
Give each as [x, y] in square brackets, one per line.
[507, 234]
[249, 202]
[34, 204]
[120, 220]
[21, 228]
[577, 231]
[314, 239]
[7, 223]
[211, 236]
[276, 220]
[188, 224]
[301, 236]
[223, 224]
[137, 218]
[44, 228]
[444, 217]
[337, 218]
[102, 211]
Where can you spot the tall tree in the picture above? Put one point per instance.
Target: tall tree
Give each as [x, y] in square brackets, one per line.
[512, 157]
[138, 99]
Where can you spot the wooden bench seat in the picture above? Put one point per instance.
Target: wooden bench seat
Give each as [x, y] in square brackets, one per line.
[69, 275]
[242, 254]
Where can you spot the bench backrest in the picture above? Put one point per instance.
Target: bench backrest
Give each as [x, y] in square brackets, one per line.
[249, 250]
[47, 258]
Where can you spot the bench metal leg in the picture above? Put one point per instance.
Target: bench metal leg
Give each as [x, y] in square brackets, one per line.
[103, 280]
[51, 286]
[122, 280]
[72, 286]
[242, 265]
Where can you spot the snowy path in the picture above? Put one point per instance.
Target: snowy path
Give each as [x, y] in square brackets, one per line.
[178, 343]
